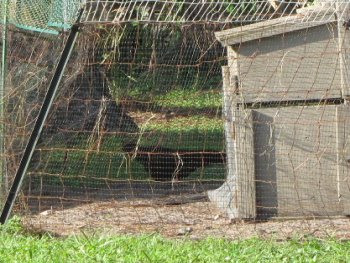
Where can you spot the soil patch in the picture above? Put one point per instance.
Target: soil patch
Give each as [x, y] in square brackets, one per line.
[194, 220]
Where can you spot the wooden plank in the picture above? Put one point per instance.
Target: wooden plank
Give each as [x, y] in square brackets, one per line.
[237, 194]
[300, 65]
[343, 13]
[233, 71]
[303, 155]
[223, 196]
[245, 196]
[343, 180]
[283, 25]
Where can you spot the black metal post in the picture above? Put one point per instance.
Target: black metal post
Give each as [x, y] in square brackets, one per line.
[38, 126]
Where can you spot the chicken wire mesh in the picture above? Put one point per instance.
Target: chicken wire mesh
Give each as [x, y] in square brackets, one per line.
[52, 15]
[173, 114]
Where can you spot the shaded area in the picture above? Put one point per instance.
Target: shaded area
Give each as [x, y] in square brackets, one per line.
[265, 165]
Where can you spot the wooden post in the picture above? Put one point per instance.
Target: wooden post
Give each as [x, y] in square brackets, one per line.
[343, 17]
[343, 114]
[237, 194]
[343, 157]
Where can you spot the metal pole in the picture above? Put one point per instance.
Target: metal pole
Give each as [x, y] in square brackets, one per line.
[3, 175]
[34, 137]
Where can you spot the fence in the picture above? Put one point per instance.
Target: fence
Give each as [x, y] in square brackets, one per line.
[178, 117]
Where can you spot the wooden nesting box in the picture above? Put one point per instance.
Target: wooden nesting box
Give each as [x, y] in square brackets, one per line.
[287, 121]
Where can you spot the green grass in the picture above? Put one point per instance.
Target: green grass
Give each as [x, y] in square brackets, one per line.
[199, 124]
[190, 99]
[82, 165]
[17, 245]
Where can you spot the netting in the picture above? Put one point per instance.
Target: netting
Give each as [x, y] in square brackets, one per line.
[54, 15]
[179, 117]
[44, 16]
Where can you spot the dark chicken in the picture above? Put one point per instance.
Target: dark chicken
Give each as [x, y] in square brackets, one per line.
[164, 164]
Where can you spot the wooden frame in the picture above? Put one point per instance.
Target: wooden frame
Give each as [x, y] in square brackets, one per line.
[282, 160]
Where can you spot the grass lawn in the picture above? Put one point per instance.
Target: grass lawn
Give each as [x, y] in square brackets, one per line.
[19, 246]
[191, 99]
[84, 165]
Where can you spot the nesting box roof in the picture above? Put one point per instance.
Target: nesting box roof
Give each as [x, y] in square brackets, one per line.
[303, 19]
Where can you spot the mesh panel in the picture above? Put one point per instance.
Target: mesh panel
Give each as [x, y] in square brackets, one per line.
[28, 74]
[181, 113]
[195, 11]
[45, 16]
[114, 119]
[50, 15]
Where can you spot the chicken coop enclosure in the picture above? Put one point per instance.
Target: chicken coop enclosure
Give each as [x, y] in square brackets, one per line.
[173, 116]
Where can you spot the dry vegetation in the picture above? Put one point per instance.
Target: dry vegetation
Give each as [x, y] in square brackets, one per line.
[196, 220]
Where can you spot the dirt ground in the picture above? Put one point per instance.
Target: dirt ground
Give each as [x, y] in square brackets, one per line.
[194, 220]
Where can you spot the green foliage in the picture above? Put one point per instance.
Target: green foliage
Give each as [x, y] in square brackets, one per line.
[147, 60]
[242, 7]
[165, 84]
[14, 226]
